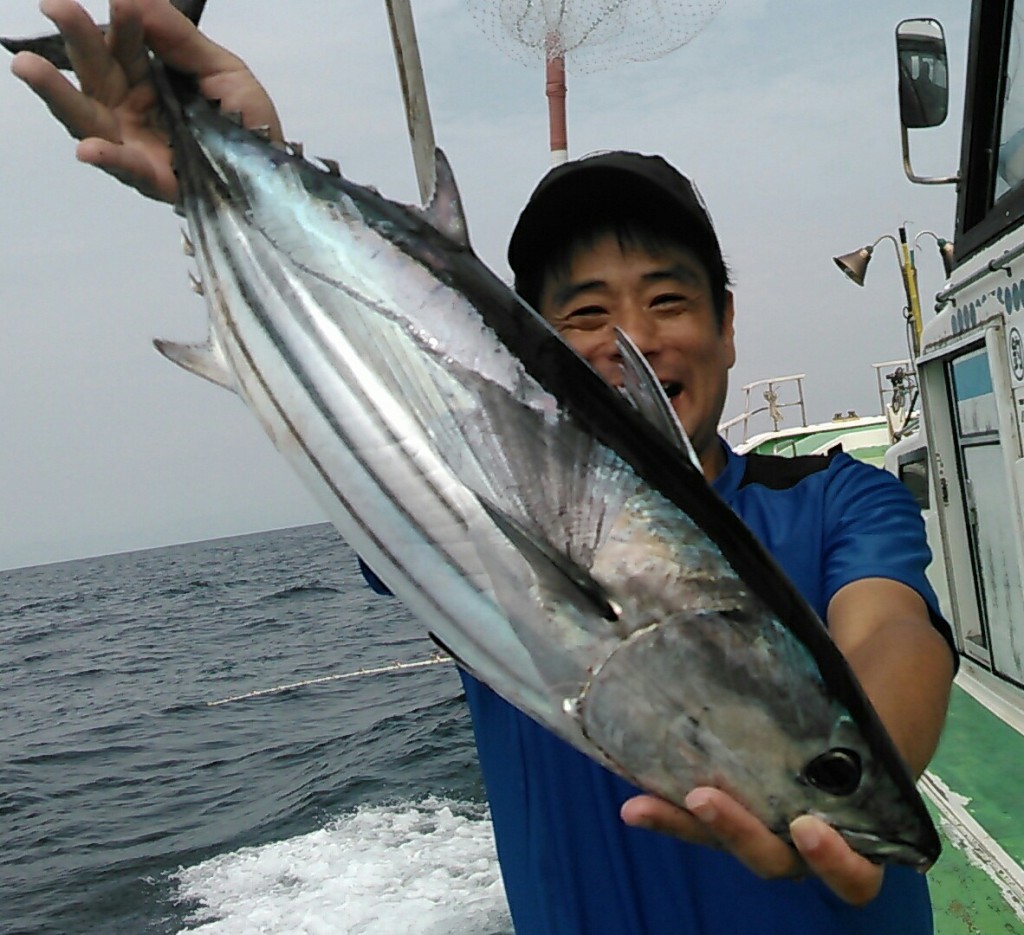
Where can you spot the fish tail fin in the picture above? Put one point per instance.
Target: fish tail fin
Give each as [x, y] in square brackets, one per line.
[52, 48]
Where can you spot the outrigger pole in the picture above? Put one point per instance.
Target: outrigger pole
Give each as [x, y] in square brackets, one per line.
[414, 94]
[558, 135]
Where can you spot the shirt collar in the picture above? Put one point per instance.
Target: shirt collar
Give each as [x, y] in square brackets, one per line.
[728, 481]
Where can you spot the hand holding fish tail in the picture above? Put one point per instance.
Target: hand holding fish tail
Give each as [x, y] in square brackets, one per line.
[114, 111]
[715, 819]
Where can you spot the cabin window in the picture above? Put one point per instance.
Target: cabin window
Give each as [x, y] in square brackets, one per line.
[973, 395]
[991, 197]
[913, 472]
[1010, 166]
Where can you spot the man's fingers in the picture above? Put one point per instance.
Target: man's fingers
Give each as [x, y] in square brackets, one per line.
[127, 43]
[132, 166]
[851, 877]
[175, 38]
[743, 835]
[654, 814]
[715, 818]
[82, 116]
[222, 75]
[85, 44]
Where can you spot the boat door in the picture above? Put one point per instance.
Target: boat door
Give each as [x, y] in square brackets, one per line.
[990, 507]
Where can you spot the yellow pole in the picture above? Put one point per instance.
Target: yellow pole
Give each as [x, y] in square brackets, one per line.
[910, 285]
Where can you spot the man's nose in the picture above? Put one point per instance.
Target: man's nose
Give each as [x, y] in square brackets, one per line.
[642, 329]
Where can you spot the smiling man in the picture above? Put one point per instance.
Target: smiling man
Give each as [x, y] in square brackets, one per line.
[623, 241]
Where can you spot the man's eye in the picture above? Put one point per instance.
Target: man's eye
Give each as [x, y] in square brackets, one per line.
[668, 298]
[585, 311]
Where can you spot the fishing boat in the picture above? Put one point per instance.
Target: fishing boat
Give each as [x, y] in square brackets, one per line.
[954, 417]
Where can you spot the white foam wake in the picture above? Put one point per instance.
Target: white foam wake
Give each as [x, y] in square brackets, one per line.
[425, 868]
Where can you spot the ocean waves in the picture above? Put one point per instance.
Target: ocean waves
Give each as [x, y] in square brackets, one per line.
[131, 804]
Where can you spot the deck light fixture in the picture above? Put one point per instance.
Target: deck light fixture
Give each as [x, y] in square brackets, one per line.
[854, 266]
[945, 250]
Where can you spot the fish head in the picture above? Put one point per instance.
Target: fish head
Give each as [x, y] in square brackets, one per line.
[697, 700]
[865, 797]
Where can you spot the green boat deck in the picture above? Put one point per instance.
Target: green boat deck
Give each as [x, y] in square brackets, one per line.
[975, 789]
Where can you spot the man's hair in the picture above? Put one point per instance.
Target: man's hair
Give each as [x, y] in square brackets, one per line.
[590, 223]
[642, 200]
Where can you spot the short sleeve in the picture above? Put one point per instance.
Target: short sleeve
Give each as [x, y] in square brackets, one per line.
[873, 529]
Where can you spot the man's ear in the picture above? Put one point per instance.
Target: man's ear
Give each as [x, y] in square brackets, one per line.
[728, 329]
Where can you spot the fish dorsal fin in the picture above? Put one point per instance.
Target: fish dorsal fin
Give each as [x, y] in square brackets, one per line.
[644, 390]
[444, 211]
[556, 571]
[204, 360]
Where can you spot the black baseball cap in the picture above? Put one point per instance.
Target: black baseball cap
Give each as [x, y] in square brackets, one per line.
[648, 184]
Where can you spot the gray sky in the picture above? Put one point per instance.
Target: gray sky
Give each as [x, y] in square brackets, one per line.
[783, 111]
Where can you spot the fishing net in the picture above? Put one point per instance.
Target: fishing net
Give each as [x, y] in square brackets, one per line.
[591, 34]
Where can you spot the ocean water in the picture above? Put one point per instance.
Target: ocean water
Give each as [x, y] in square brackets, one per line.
[131, 804]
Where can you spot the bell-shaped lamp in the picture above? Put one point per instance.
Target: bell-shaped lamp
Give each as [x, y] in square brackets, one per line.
[855, 264]
[946, 251]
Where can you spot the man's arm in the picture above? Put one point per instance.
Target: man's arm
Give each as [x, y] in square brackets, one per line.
[114, 112]
[906, 668]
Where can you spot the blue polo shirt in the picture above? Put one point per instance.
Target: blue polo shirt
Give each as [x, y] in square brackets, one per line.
[569, 864]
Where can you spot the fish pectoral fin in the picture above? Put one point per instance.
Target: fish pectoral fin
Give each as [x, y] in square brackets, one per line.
[644, 390]
[204, 360]
[556, 572]
[444, 212]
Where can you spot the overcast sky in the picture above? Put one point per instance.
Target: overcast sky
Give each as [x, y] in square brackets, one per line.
[783, 111]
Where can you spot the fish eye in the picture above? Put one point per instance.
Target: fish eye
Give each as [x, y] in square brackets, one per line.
[837, 771]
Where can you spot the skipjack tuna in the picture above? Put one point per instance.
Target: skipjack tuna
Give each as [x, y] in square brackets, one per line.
[560, 546]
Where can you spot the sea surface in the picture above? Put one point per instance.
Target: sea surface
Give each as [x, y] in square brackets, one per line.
[129, 803]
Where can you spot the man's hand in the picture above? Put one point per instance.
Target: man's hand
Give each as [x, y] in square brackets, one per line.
[715, 819]
[115, 111]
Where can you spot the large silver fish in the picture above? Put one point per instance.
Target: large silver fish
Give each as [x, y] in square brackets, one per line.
[561, 547]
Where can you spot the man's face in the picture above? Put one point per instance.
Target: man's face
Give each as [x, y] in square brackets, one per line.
[663, 302]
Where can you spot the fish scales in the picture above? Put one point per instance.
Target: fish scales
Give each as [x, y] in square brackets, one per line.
[562, 547]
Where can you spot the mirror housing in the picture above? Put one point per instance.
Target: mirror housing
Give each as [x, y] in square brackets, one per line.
[923, 73]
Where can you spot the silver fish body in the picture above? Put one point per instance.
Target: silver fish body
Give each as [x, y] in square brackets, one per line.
[558, 545]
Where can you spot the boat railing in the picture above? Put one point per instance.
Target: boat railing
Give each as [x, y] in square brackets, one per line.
[771, 391]
[895, 381]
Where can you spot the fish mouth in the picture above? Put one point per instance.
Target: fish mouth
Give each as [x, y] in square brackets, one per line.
[920, 855]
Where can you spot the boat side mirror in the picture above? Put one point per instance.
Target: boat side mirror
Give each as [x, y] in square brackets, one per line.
[923, 73]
